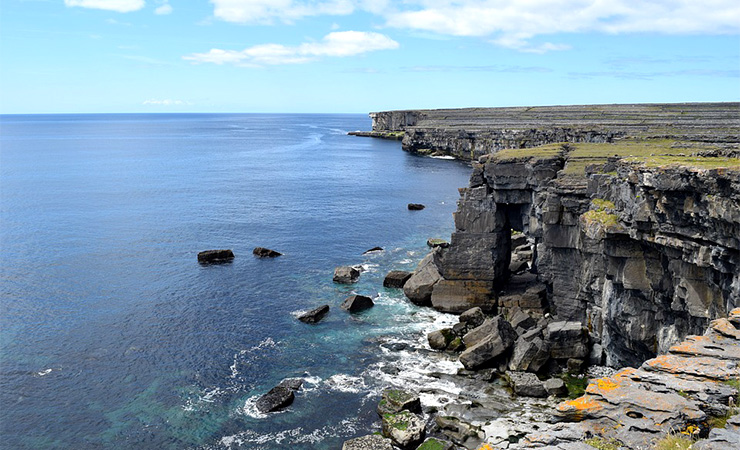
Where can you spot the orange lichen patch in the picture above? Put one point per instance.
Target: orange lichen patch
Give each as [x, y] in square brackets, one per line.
[723, 326]
[582, 403]
[606, 384]
[625, 373]
[485, 447]
[735, 312]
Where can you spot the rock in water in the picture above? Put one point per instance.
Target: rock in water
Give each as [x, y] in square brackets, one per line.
[279, 397]
[416, 206]
[215, 256]
[346, 275]
[394, 401]
[419, 287]
[357, 303]
[292, 383]
[396, 279]
[369, 442]
[314, 315]
[473, 317]
[265, 252]
[374, 249]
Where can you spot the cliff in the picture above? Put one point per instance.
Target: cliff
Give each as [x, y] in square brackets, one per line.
[632, 211]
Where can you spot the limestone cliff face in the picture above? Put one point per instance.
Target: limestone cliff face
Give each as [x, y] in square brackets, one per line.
[635, 222]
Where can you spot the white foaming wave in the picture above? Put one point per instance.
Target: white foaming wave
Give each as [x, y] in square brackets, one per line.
[444, 157]
[250, 408]
[346, 383]
[43, 372]
[267, 343]
[367, 267]
[347, 427]
[196, 404]
[406, 261]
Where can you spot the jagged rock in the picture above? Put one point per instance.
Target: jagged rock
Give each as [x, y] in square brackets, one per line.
[215, 256]
[567, 340]
[277, 398]
[393, 401]
[473, 317]
[718, 439]
[315, 315]
[265, 252]
[404, 428]
[459, 431]
[725, 328]
[556, 387]
[487, 342]
[357, 303]
[418, 287]
[530, 354]
[526, 384]
[369, 442]
[415, 206]
[734, 318]
[574, 365]
[372, 250]
[434, 243]
[396, 279]
[440, 339]
[293, 384]
[521, 321]
[346, 275]
[460, 329]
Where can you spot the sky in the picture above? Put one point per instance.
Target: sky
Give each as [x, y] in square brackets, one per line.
[356, 56]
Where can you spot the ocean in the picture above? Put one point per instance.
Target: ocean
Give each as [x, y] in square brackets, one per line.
[113, 336]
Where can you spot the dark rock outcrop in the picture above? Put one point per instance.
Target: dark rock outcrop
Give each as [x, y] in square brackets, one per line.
[372, 250]
[315, 315]
[265, 252]
[415, 206]
[277, 398]
[357, 303]
[487, 343]
[393, 401]
[396, 279]
[215, 256]
[418, 288]
[346, 275]
[526, 384]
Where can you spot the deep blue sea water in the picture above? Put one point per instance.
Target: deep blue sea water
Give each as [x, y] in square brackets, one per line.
[113, 336]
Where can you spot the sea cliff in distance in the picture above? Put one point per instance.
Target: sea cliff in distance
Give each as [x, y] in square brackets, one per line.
[592, 238]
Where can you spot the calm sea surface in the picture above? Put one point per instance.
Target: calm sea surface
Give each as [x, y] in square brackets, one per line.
[113, 336]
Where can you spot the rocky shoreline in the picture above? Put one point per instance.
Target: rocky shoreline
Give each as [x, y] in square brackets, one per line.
[590, 239]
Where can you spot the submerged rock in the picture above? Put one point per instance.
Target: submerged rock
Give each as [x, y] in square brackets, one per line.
[215, 256]
[315, 315]
[369, 442]
[357, 303]
[346, 275]
[265, 252]
[415, 206]
[396, 279]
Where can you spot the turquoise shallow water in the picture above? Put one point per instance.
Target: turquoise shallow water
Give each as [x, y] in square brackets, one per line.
[112, 334]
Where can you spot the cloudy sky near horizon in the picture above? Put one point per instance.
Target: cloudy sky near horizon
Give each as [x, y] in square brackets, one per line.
[73, 56]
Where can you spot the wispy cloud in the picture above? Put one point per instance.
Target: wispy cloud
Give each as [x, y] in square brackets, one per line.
[122, 6]
[268, 11]
[164, 9]
[648, 75]
[165, 102]
[336, 44]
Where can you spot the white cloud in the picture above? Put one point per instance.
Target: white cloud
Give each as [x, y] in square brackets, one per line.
[337, 44]
[165, 102]
[266, 11]
[122, 6]
[514, 24]
[163, 10]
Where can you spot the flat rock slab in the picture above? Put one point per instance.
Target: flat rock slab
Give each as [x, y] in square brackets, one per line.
[396, 279]
[699, 367]
[346, 275]
[315, 315]
[215, 256]
[405, 429]
[712, 345]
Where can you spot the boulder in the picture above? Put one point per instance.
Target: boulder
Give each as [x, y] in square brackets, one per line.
[487, 342]
[435, 444]
[530, 354]
[405, 429]
[374, 249]
[369, 442]
[292, 383]
[459, 431]
[526, 384]
[567, 340]
[521, 321]
[314, 315]
[357, 303]
[265, 252]
[346, 275]
[415, 206]
[434, 243]
[440, 339]
[556, 387]
[473, 317]
[393, 401]
[418, 288]
[215, 256]
[277, 398]
[396, 279]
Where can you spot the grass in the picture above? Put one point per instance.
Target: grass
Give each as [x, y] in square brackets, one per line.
[674, 442]
[431, 444]
[602, 443]
[576, 385]
[695, 162]
[601, 217]
[523, 154]
[602, 205]
[733, 383]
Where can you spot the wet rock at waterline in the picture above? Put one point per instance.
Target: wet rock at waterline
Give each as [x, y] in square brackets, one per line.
[277, 398]
[215, 256]
[315, 315]
[262, 252]
[394, 401]
[346, 275]
[418, 288]
[357, 303]
[373, 250]
[415, 206]
[396, 279]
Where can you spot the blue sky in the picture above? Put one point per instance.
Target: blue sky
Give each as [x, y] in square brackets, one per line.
[69, 56]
